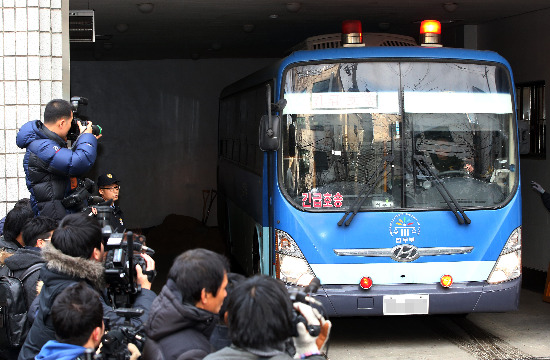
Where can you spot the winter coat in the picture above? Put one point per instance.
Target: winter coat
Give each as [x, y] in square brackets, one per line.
[179, 331]
[220, 337]
[22, 260]
[49, 165]
[2, 221]
[54, 350]
[235, 353]
[59, 272]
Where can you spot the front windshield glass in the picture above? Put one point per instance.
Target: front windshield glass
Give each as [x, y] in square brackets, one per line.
[360, 129]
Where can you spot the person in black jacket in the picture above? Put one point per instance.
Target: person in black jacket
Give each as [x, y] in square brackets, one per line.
[109, 189]
[75, 254]
[21, 202]
[50, 167]
[260, 316]
[37, 232]
[12, 239]
[186, 311]
[220, 336]
[77, 317]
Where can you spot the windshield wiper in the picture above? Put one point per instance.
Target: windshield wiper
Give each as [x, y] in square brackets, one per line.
[369, 187]
[445, 193]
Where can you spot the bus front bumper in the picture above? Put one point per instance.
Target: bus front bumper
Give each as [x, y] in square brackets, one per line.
[460, 298]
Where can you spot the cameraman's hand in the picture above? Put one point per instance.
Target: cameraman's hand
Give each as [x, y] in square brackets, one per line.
[322, 339]
[85, 129]
[305, 343]
[88, 129]
[537, 187]
[141, 278]
[134, 351]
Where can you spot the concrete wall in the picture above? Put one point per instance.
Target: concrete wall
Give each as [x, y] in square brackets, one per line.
[32, 72]
[160, 130]
[525, 42]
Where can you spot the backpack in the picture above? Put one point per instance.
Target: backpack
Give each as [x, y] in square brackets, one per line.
[13, 308]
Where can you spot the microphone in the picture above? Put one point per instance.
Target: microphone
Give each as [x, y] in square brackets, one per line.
[302, 296]
[313, 286]
[142, 248]
[145, 249]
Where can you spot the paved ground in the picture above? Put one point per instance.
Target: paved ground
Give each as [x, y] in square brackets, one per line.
[524, 334]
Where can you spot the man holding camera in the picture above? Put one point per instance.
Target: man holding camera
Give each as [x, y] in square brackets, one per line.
[76, 254]
[262, 320]
[51, 167]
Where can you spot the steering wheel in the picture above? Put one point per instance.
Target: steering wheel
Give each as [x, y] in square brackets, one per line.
[455, 173]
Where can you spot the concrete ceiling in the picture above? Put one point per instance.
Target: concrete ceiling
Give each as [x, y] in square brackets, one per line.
[216, 28]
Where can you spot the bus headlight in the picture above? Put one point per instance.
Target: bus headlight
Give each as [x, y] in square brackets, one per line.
[508, 266]
[291, 265]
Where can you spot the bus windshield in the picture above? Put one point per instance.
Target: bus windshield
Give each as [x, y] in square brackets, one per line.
[391, 131]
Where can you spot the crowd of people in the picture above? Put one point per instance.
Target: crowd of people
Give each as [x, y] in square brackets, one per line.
[57, 253]
[193, 317]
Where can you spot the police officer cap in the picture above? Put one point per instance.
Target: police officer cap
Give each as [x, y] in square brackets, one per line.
[106, 179]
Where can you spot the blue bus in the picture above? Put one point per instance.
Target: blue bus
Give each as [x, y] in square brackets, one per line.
[389, 173]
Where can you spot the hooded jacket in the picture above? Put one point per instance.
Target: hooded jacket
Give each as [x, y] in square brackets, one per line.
[59, 272]
[180, 331]
[54, 350]
[49, 164]
[22, 260]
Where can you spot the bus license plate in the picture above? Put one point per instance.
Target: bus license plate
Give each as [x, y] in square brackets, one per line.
[406, 304]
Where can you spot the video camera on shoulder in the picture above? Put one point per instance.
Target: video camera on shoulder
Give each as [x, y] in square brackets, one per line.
[81, 196]
[123, 254]
[78, 105]
[117, 337]
[303, 295]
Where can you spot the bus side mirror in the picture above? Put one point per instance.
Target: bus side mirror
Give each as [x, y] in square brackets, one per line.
[269, 136]
[291, 140]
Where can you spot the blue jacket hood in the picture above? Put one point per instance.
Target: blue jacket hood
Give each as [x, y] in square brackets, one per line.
[29, 132]
[54, 350]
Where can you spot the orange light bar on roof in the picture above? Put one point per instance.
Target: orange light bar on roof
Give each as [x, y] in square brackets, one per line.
[430, 33]
[430, 26]
[352, 33]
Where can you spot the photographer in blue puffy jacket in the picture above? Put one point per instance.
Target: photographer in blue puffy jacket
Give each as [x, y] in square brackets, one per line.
[50, 166]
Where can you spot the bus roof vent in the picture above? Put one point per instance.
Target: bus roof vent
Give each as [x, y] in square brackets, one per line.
[396, 43]
[382, 39]
[332, 41]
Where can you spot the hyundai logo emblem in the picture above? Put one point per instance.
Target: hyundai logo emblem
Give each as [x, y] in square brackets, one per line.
[404, 253]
